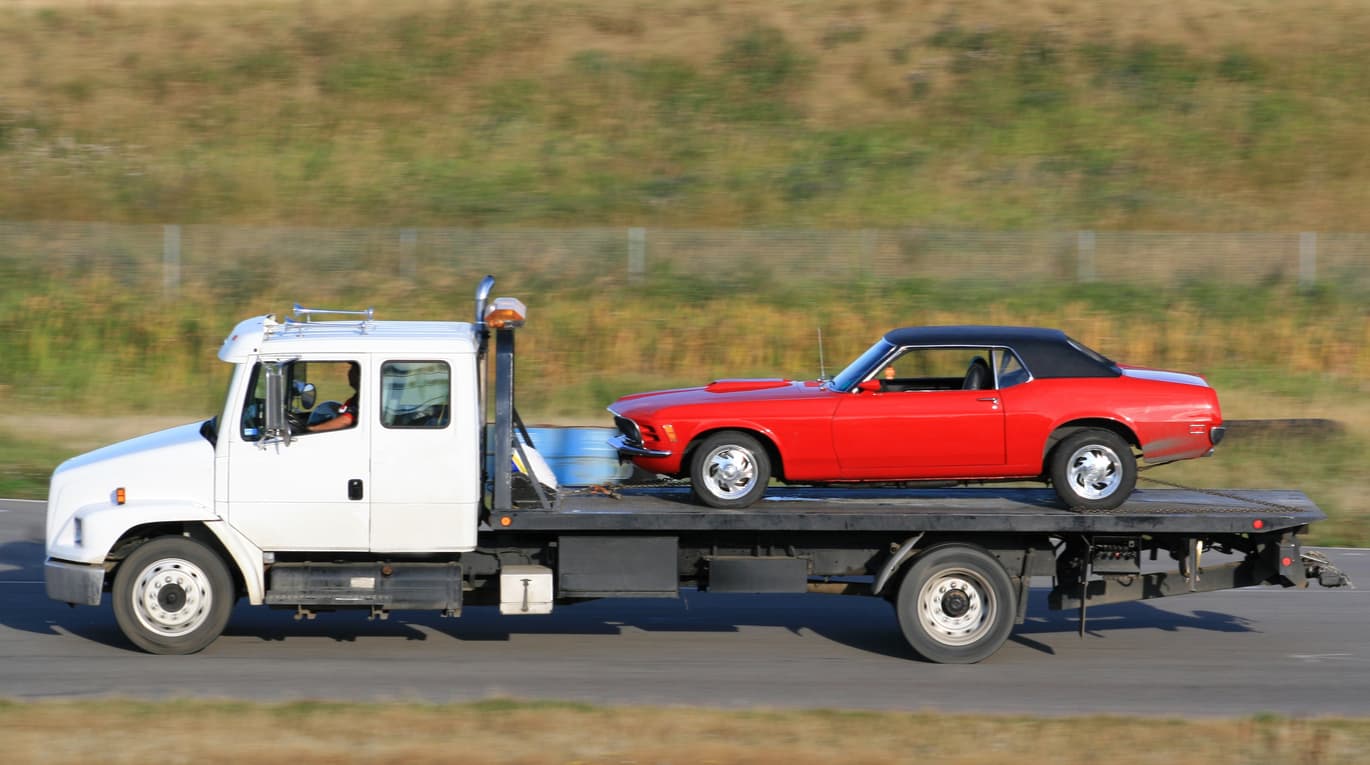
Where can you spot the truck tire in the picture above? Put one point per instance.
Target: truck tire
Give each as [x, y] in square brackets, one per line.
[172, 595]
[1093, 470]
[956, 604]
[729, 469]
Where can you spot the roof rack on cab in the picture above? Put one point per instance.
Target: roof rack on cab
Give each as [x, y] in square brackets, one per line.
[302, 318]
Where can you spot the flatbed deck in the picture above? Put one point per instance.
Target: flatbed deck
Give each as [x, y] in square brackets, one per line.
[981, 510]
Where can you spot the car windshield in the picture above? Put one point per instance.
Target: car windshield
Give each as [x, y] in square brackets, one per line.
[857, 370]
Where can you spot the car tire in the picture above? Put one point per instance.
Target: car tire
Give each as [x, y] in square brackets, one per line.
[172, 595]
[956, 604]
[729, 469]
[1093, 469]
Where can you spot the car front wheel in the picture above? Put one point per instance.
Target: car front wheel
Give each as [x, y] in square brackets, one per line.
[729, 469]
[1093, 470]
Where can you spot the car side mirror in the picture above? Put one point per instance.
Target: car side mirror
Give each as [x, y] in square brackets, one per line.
[869, 386]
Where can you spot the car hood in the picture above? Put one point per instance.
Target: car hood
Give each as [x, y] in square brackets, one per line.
[720, 391]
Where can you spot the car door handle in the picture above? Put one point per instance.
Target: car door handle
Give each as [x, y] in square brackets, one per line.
[994, 402]
[354, 489]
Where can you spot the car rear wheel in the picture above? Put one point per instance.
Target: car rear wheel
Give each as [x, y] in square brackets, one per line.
[1093, 470]
[729, 469]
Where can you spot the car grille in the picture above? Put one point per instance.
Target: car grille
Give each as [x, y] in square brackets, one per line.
[628, 428]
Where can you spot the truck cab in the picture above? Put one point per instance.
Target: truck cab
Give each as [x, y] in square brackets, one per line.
[342, 439]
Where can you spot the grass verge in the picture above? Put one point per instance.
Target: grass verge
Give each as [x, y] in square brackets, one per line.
[531, 733]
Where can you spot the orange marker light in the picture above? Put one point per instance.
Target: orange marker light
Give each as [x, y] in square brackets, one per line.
[505, 520]
[119, 496]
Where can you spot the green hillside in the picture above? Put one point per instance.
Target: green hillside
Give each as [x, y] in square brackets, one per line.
[1217, 115]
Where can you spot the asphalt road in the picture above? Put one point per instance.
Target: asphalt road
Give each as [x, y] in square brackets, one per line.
[1297, 652]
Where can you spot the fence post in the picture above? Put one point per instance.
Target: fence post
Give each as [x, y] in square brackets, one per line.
[637, 254]
[1308, 260]
[171, 260]
[866, 268]
[409, 239]
[1084, 256]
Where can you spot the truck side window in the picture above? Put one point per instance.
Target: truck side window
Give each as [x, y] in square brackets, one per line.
[254, 409]
[416, 394]
[308, 384]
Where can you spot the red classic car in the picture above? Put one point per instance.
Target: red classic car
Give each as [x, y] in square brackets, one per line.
[966, 403]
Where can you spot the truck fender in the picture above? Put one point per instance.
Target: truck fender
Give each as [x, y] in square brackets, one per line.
[896, 560]
[102, 525]
[247, 558]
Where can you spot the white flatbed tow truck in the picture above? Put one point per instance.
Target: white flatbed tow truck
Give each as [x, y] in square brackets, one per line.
[402, 497]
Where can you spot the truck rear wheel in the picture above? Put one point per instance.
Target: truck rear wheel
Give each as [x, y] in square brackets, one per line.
[172, 595]
[956, 604]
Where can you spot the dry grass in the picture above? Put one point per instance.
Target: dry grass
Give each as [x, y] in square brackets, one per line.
[529, 734]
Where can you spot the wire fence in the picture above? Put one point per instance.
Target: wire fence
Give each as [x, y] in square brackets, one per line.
[174, 261]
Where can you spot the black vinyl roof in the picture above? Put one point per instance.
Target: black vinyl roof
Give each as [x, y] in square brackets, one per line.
[1045, 352]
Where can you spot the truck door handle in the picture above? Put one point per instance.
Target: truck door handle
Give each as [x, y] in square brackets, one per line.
[354, 489]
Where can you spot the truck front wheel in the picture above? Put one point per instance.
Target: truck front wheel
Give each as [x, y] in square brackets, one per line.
[172, 595]
[956, 604]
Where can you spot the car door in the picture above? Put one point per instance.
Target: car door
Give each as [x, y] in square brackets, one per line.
[921, 422]
[309, 494]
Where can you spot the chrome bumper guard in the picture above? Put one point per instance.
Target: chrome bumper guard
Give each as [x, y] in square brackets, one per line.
[628, 450]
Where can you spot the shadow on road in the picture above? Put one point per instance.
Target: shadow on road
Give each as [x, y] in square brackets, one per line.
[865, 624]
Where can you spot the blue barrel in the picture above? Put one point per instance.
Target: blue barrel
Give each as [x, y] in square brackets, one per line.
[580, 456]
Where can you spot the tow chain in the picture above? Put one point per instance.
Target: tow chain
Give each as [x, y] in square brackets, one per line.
[1217, 493]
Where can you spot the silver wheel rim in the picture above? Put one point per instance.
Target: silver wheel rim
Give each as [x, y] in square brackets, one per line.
[955, 607]
[729, 471]
[172, 597]
[1094, 471]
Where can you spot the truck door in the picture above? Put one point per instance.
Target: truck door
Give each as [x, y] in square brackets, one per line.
[425, 464]
[310, 494]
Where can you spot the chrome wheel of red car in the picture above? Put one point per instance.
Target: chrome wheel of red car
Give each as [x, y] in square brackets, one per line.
[729, 469]
[1093, 470]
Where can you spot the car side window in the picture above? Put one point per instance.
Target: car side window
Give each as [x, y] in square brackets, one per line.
[934, 369]
[1011, 370]
[416, 394]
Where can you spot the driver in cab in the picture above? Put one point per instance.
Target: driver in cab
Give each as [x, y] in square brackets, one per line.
[346, 415]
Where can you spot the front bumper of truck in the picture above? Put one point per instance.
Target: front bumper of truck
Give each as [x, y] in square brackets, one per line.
[76, 583]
